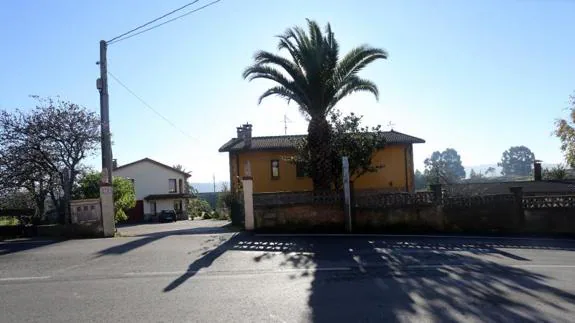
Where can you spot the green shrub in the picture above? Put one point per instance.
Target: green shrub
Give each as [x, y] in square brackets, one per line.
[225, 198]
[120, 216]
[199, 208]
[221, 215]
[9, 220]
[556, 173]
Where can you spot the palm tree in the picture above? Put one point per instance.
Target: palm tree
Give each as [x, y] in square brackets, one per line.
[315, 79]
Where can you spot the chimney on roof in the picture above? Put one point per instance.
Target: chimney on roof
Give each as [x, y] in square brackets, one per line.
[537, 170]
[245, 133]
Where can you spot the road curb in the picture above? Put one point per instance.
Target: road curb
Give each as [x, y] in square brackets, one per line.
[435, 236]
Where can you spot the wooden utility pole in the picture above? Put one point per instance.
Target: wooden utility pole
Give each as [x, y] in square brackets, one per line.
[106, 193]
[105, 115]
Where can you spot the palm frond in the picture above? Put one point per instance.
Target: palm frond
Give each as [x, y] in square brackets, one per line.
[292, 69]
[284, 93]
[259, 71]
[357, 59]
[352, 85]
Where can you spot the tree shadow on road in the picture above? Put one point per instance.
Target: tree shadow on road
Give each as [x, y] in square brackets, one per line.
[8, 247]
[144, 239]
[407, 279]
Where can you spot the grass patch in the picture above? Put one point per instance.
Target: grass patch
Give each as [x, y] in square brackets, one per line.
[9, 220]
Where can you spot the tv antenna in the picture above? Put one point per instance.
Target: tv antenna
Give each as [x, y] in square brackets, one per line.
[286, 120]
[390, 125]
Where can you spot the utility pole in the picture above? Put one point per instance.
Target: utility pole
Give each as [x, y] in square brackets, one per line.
[214, 179]
[106, 193]
[105, 114]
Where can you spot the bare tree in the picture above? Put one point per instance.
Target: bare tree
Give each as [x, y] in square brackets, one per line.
[42, 149]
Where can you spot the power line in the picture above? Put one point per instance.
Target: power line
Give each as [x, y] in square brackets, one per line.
[115, 40]
[152, 21]
[148, 105]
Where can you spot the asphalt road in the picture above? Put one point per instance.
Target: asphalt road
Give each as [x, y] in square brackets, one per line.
[186, 274]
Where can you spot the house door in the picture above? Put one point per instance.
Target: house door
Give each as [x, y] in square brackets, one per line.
[137, 212]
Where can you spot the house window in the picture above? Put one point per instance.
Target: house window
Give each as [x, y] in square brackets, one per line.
[300, 170]
[172, 185]
[181, 185]
[153, 207]
[275, 169]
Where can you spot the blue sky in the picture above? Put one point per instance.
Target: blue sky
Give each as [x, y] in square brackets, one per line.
[477, 76]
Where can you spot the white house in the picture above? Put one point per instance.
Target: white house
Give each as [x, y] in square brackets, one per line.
[158, 187]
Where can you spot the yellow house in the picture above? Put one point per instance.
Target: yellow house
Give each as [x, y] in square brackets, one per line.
[271, 173]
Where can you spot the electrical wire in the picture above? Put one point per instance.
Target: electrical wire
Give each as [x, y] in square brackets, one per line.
[117, 39]
[148, 105]
[152, 21]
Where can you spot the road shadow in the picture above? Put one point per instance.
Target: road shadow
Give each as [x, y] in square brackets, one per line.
[404, 279]
[146, 238]
[8, 247]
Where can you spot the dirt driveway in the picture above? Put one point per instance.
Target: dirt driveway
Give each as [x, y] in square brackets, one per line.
[175, 228]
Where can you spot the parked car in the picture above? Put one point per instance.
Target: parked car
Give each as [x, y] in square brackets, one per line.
[167, 216]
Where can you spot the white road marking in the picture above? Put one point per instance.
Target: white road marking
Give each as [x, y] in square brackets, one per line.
[9, 279]
[161, 273]
[250, 272]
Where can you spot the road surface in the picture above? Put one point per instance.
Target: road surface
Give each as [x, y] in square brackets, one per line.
[192, 275]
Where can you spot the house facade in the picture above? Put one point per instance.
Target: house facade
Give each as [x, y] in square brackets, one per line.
[158, 187]
[272, 173]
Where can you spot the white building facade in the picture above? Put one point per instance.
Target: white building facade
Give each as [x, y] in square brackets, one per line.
[158, 186]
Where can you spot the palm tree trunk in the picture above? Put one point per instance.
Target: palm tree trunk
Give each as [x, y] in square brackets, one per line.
[319, 143]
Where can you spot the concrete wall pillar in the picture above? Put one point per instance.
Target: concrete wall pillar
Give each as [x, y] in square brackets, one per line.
[248, 188]
[519, 215]
[437, 193]
[107, 209]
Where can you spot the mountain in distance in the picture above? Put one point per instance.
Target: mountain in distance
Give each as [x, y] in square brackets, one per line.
[483, 168]
[209, 187]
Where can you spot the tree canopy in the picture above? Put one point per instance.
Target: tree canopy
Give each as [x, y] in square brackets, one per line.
[517, 161]
[316, 79]
[557, 172]
[419, 180]
[124, 195]
[444, 167]
[565, 131]
[41, 150]
[349, 138]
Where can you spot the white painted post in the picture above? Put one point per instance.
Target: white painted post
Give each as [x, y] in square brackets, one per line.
[248, 187]
[107, 209]
[346, 192]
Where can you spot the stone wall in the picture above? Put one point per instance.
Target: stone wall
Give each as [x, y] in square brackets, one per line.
[299, 217]
[416, 212]
[411, 219]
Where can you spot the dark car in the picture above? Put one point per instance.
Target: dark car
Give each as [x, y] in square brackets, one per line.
[167, 216]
